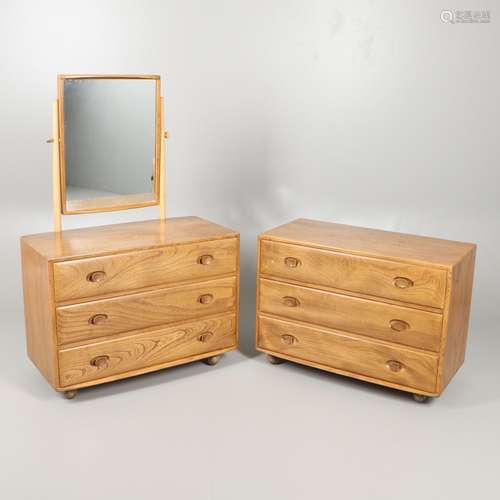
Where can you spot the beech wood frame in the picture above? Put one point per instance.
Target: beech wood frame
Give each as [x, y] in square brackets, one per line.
[119, 202]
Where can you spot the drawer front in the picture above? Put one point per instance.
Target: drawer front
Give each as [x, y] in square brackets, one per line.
[117, 273]
[143, 310]
[364, 357]
[103, 359]
[381, 278]
[366, 317]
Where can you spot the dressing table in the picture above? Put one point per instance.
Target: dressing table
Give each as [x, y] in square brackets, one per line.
[110, 302]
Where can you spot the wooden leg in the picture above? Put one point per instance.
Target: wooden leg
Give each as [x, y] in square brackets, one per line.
[211, 361]
[420, 398]
[274, 360]
[70, 394]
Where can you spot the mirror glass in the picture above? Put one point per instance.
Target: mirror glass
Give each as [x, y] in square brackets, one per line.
[109, 142]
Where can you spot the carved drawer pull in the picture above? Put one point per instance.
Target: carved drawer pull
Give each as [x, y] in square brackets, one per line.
[96, 276]
[394, 366]
[291, 302]
[206, 260]
[98, 319]
[288, 339]
[401, 282]
[205, 336]
[205, 298]
[100, 361]
[398, 325]
[292, 262]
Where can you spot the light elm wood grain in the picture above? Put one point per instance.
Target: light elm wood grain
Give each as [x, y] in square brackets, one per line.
[397, 290]
[349, 353]
[131, 236]
[39, 313]
[135, 270]
[146, 309]
[365, 317]
[145, 350]
[158, 257]
[457, 324]
[375, 277]
[371, 242]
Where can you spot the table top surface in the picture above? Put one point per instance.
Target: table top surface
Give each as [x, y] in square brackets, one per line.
[371, 242]
[101, 240]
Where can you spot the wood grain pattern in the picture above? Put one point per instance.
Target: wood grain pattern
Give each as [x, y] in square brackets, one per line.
[351, 314]
[457, 324]
[133, 236]
[144, 310]
[133, 255]
[141, 269]
[139, 351]
[39, 313]
[336, 276]
[349, 353]
[375, 277]
[371, 242]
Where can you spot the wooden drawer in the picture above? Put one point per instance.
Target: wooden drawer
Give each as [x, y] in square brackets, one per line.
[381, 278]
[389, 322]
[143, 310]
[364, 357]
[104, 359]
[76, 279]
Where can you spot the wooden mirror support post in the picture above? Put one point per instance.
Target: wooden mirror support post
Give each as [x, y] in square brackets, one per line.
[56, 166]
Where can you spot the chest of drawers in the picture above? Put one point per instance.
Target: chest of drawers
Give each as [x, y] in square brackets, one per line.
[382, 307]
[110, 302]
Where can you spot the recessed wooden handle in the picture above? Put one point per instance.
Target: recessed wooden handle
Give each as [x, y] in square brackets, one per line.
[96, 276]
[398, 325]
[100, 361]
[205, 336]
[206, 260]
[288, 339]
[292, 262]
[291, 301]
[205, 298]
[402, 282]
[98, 319]
[394, 366]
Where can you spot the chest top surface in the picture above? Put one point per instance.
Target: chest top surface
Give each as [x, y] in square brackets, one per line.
[114, 238]
[371, 242]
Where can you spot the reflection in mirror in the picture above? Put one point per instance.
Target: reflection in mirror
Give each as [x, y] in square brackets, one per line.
[109, 141]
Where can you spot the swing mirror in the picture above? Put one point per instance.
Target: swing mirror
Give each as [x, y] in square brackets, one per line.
[109, 142]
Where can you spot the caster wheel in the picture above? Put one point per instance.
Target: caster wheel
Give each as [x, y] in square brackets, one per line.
[420, 398]
[69, 394]
[274, 360]
[211, 361]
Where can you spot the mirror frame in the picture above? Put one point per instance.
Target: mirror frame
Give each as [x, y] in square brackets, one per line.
[118, 202]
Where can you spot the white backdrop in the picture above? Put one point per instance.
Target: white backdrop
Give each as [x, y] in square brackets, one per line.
[360, 112]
